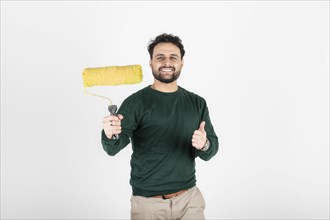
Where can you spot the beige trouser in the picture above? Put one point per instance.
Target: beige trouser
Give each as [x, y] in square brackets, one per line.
[188, 205]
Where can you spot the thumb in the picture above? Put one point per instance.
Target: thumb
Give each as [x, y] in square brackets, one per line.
[120, 117]
[202, 126]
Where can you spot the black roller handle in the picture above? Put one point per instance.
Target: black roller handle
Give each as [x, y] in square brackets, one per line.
[113, 109]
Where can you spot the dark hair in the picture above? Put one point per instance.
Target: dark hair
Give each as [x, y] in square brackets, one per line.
[166, 38]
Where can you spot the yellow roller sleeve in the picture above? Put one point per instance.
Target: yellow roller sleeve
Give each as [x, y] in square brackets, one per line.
[112, 75]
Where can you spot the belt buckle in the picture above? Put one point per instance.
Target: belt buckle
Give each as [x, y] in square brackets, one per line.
[170, 196]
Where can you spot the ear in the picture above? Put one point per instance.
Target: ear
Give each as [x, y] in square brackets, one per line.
[182, 62]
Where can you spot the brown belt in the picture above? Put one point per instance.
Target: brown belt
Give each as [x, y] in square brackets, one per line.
[169, 196]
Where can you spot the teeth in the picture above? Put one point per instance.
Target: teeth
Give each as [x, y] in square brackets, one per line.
[167, 69]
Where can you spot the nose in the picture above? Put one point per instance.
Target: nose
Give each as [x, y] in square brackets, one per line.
[167, 63]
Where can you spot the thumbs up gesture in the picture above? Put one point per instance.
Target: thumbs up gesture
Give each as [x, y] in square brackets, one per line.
[199, 137]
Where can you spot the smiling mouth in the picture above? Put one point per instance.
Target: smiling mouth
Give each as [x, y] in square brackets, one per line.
[166, 69]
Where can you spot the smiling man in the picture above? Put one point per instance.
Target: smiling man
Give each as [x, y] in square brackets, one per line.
[168, 127]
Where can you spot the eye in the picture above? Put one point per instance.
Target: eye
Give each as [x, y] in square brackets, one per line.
[160, 58]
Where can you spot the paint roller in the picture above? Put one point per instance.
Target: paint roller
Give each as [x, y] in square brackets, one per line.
[111, 76]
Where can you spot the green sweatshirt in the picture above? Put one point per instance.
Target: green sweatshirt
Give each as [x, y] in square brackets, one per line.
[160, 127]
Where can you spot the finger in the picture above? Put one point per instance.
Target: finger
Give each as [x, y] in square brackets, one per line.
[117, 131]
[196, 137]
[197, 144]
[113, 129]
[106, 119]
[115, 123]
[202, 126]
[120, 117]
[116, 120]
[197, 132]
[109, 118]
[194, 142]
[199, 137]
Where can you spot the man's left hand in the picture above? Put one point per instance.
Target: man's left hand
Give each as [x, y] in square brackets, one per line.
[199, 137]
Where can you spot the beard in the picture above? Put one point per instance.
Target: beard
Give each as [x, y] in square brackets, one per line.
[164, 78]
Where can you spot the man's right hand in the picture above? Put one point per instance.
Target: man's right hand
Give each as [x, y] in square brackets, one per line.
[112, 125]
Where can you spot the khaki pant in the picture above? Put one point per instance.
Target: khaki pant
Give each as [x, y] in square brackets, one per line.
[188, 205]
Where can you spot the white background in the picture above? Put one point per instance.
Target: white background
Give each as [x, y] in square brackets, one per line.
[262, 66]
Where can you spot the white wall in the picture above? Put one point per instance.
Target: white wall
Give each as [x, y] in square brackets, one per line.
[263, 67]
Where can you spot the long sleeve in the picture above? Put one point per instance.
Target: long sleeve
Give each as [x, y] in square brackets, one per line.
[211, 135]
[129, 123]
[112, 147]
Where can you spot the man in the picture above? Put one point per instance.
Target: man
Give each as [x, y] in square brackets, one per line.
[169, 127]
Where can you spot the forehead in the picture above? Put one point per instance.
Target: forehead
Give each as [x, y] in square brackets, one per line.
[166, 49]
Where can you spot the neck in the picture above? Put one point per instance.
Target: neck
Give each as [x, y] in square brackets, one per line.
[164, 87]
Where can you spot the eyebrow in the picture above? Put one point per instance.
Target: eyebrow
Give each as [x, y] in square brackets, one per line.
[173, 55]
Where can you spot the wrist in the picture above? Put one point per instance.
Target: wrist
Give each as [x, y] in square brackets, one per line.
[206, 146]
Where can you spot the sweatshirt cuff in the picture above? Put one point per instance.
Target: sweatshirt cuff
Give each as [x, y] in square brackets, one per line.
[105, 138]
